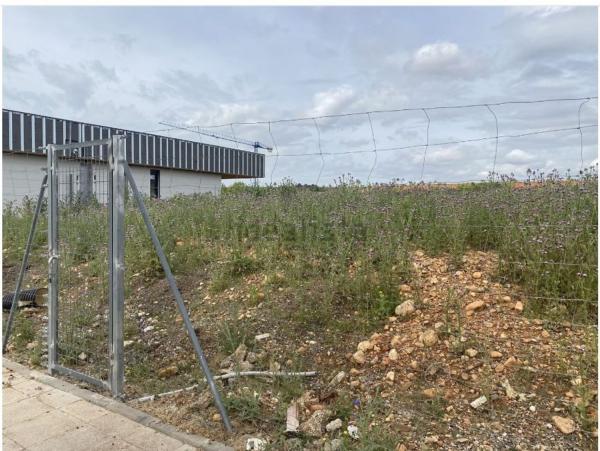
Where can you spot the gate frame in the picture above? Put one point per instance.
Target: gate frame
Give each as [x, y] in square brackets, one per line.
[119, 177]
[116, 265]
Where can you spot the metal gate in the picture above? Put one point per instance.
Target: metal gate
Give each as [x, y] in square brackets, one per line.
[86, 185]
[86, 195]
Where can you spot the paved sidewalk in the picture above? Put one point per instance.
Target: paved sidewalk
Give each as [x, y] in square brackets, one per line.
[44, 413]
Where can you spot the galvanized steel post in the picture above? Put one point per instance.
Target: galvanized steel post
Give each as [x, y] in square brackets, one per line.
[52, 258]
[116, 263]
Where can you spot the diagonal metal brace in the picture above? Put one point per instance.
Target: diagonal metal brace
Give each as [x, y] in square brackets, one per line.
[182, 309]
[13, 307]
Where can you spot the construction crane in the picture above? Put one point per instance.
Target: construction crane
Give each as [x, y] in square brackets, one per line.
[202, 131]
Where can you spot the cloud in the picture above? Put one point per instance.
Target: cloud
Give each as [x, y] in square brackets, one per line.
[332, 101]
[75, 85]
[224, 113]
[13, 61]
[124, 41]
[540, 11]
[443, 59]
[550, 33]
[440, 155]
[190, 87]
[518, 156]
[102, 71]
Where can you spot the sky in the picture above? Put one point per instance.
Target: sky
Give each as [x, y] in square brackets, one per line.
[135, 67]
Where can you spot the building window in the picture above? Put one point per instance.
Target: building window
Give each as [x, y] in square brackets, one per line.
[155, 183]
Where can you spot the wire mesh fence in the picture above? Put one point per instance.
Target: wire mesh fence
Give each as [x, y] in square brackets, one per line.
[82, 199]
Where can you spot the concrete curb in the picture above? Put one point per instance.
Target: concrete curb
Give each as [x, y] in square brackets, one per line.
[117, 407]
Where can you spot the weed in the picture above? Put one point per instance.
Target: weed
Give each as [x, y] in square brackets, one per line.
[244, 405]
[231, 334]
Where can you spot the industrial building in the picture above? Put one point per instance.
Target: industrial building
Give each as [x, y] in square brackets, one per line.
[162, 166]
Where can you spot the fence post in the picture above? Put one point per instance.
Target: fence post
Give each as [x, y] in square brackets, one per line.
[116, 218]
[52, 258]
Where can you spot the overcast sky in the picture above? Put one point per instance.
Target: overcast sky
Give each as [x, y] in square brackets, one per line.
[135, 67]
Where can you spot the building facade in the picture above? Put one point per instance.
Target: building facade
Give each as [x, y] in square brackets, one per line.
[161, 166]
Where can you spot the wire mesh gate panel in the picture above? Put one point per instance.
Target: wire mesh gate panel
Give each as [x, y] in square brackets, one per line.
[85, 191]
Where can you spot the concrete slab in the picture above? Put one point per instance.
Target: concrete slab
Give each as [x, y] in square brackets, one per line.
[84, 437]
[57, 398]
[42, 413]
[39, 429]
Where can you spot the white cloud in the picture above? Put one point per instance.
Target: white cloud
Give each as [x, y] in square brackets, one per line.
[332, 101]
[540, 11]
[518, 156]
[440, 155]
[224, 113]
[443, 59]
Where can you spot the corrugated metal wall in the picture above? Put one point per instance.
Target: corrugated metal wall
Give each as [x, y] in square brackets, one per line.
[26, 132]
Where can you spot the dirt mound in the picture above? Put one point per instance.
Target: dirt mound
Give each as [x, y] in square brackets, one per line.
[461, 347]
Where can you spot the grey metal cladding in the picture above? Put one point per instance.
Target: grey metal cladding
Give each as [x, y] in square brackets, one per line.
[188, 154]
[129, 147]
[5, 126]
[38, 134]
[151, 150]
[195, 151]
[16, 132]
[59, 131]
[171, 154]
[144, 150]
[163, 151]
[29, 132]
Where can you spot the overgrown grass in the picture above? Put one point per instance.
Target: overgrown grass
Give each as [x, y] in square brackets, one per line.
[354, 242]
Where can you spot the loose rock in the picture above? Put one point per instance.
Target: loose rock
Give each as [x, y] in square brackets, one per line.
[430, 392]
[353, 432]
[359, 357]
[429, 337]
[393, 355]
[256, 444]
[405, 309]
[473, 306]
[337, 379]
[563, 424]
[471, 352]
[334, 425]
[365, 345]
[479, 402]
[314, 425]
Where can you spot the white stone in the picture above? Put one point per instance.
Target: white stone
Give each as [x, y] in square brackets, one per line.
[405, 309]
[334, 425]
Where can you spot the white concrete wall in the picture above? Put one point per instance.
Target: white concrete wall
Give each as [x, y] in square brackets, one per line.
[22, 176]
[142, 179]
[174, 182]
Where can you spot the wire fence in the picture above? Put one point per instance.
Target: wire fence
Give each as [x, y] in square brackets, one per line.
[423, 219]
[529, 126]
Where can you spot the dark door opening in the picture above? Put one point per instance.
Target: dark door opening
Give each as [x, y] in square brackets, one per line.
[155, 183]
